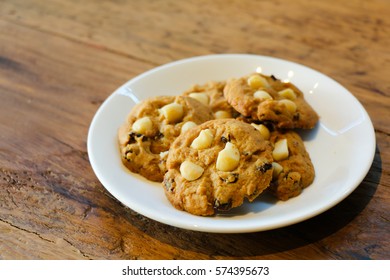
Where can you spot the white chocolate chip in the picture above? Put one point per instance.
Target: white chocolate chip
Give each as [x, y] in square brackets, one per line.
[280, 151]
[190, 171]
[204, 140]
[277, 168]
[257, 81]
[222, 115]
[262, 94]
[288, 93]
[290, 105]
[187, 125]
[172, 112]
[142, 125]
[201, 97]
[229, 158]
[264, 131]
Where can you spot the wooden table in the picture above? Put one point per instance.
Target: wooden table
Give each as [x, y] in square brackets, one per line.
[59, 60]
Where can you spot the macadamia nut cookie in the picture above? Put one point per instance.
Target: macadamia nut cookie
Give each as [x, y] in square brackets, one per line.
[216, 165]
[292, 167]
[152, 126]
[266, 98]
[211, 94]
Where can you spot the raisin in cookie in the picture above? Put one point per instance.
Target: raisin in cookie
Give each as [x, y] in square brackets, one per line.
[293, 170]
[265, 98]
[215, 165]
[152, 126]
[211, 94]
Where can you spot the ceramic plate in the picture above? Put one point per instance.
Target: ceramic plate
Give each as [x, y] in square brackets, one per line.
[341, 147]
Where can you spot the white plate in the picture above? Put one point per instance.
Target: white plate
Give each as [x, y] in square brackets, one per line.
[341, 147]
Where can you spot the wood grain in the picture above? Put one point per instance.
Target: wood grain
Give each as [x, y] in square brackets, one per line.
[59, 60]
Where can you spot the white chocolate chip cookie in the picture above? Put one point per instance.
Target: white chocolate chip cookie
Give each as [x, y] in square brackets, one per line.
[216, 165]
[293, 169]
[152, 126]
[267, 99]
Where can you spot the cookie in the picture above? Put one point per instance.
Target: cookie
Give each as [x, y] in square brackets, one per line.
[216, 165]
[152, 126]
[293, 170]
[211, 94]
[268, 99]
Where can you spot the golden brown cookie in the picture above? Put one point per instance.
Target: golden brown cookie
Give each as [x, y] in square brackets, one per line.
[211, 94]
[216, 165]
[152, 126]
[293, 171]
[265, 98]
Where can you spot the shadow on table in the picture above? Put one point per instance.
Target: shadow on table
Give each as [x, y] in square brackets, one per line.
[284, 239]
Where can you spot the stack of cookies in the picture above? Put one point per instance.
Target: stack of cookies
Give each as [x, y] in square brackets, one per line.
[222, 142]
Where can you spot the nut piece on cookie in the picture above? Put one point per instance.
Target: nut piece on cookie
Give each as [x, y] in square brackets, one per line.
[204, 140]
[173, 112]
[287, 93]
[190, 171]
[201, 97]
[187, 125]
[280, 151]
[264, 131]
[256, 81]
[228, 158]
[290, 105]
[142, 125]
[277, 168]
[221, 114]
[262, 94]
